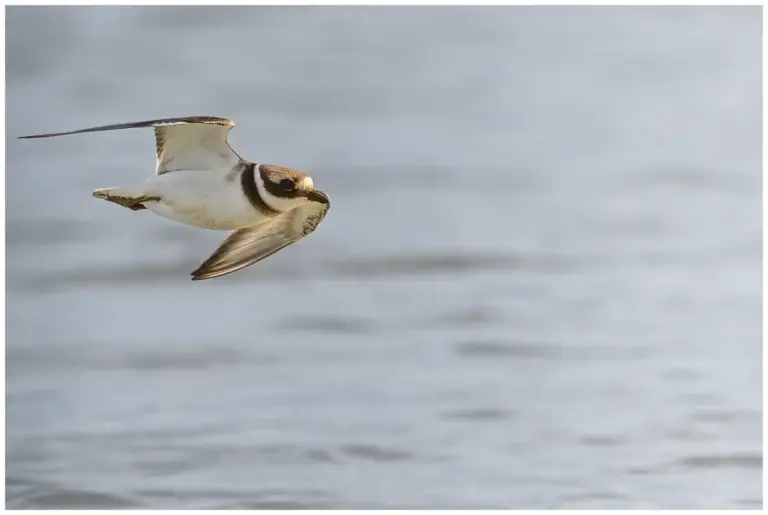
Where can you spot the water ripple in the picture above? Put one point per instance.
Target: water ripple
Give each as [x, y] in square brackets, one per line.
[712, 461]
[327, 324]
[478, 414]
[496, 349]
[543, 350]
[606, 440]
[449, 263]
[376, 453]
[68, 499]
[265, 498]
[187, 359]
[468, 317]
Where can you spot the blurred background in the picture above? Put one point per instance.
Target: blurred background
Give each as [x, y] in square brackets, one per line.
[538, 286]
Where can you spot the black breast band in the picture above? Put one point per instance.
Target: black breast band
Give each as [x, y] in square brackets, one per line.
[248, 181]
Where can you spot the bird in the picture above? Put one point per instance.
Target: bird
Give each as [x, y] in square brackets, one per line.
[202, 182]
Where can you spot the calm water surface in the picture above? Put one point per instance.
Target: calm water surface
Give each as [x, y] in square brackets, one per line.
[539, 285]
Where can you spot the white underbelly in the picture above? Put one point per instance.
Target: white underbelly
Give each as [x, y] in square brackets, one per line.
[204, 199]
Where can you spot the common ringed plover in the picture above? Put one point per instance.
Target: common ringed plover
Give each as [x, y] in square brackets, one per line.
[201, 181]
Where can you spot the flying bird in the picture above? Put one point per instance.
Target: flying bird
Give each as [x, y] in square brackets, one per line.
[201, 181]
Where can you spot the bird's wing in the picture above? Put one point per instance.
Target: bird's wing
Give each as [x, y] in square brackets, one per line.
[245, 247]
[191, 143]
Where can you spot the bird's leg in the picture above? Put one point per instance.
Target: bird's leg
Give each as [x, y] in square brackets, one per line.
[132, 203]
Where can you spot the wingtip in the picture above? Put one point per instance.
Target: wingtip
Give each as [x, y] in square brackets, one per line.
[39, 136]
[202, 274]
[198, 275]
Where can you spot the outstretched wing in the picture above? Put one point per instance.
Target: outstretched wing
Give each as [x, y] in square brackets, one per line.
[191, 143]
[247, 246]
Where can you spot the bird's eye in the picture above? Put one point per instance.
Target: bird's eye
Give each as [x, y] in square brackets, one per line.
[287, 185]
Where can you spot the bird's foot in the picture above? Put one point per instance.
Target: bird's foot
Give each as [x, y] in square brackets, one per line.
[132, 203]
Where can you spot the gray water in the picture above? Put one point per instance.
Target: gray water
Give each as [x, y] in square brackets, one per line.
[539, 284]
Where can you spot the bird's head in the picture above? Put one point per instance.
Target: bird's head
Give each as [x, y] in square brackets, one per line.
[286, 188]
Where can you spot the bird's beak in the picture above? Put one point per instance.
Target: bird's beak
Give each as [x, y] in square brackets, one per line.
[318, 196]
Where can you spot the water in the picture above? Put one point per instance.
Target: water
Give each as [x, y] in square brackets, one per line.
[538, 286]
